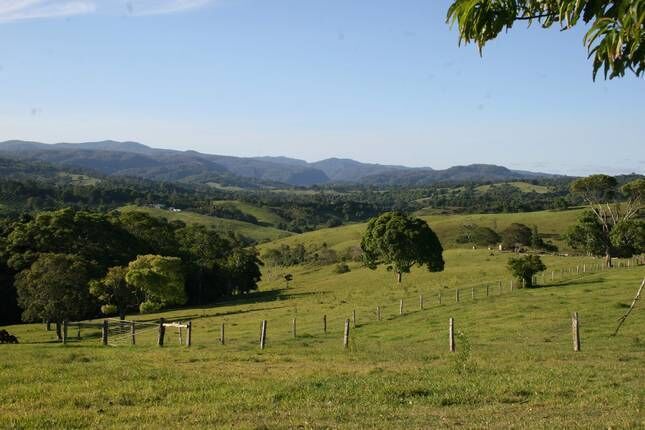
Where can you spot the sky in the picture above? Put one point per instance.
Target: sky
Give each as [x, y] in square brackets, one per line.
[374, 80]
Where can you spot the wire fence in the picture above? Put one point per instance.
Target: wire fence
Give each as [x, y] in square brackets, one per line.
[332, 319]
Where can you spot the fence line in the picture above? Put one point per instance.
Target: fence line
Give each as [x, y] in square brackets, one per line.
[116, 332]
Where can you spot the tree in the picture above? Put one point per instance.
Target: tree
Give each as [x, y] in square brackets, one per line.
[524, 268]
[67, 231]
[160, 279]
[204, 251]
[516, 235]
[480, 236]
[611, 208]
[55, 289]
[243, 267]
[114, 292]
[400, 242]
[615, 38]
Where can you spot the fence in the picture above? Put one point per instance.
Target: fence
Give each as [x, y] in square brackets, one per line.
[115, 332]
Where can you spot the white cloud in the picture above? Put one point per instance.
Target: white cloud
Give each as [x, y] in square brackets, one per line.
[157, 7]
[18, 10]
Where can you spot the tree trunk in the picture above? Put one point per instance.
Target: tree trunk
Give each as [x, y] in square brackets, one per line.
[59, 333]
[608, 258]
[399, 275]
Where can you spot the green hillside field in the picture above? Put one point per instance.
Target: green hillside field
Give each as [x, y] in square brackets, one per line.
[551, 224]
[252, 231]
[514, 366]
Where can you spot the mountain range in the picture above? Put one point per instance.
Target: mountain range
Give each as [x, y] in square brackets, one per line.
[138, 160]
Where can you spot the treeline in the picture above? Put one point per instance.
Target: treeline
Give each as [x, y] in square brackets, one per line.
[67, 264]
[286, 255]
[515, 237]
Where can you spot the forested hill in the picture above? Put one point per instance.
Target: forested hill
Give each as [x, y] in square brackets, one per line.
[138, 160]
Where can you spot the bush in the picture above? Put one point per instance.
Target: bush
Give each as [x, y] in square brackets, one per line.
[341, 268]
[524, 268]
[516, 236]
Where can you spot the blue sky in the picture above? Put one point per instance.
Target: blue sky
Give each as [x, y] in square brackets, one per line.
[377, 81]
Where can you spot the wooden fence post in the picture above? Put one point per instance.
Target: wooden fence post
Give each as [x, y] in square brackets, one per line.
[263, 334]
[439, 297]
[162, 332]
[421, 302]
[575, 328]
[457, 295]
[354, 318]
[346, 334]
[189, 333]
[472, 293]
[325, 324]
[133, 332]
[181, 341]
[78, 331]
[104, 332]
[49, 325]
[378, 313]
[222, 339]
[401, 307]
[511, 285]
[486, 290]
[293, 328]
[552, 275]
[451, 334]
[584, 268]
[64, 332]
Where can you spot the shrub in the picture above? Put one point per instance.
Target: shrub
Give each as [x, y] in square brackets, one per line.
[341, 268]
[524, 268]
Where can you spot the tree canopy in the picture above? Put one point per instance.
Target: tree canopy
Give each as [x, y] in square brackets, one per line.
[160, 279]
[612, 227]
[400, 242]
[54, 288]
[615, 38]
[524, 268]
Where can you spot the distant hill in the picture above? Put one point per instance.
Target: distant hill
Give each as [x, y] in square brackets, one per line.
[138, 160]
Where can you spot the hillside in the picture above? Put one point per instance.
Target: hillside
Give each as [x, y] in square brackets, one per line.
[514, 361]
[551, 225]
[257, 233]
[135, 159]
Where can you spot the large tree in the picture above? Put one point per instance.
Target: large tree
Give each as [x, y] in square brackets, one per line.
[160, 279]
[90, 235]
[400, 242]
[615, 37]
[614, 226]
[55, 289]
[516, 235]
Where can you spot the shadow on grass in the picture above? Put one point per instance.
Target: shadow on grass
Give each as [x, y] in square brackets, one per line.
[570, 282]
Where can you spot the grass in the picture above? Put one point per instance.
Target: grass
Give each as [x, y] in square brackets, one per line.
[525, 187]
[520, 371]
[552, 224]
[255, 232]
[262, 214]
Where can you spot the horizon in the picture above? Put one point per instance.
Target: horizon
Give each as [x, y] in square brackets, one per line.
[368, 81]
[625, 172]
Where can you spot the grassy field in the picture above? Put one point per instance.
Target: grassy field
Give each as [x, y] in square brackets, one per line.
[514, 366]
[552, 224]
[525, 187]
[256, 232]
[262, 214]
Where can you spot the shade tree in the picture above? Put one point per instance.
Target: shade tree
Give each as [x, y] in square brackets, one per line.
[400, 242]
